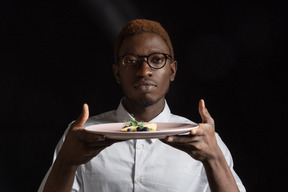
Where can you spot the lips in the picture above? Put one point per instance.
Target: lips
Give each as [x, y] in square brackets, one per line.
[145, 86]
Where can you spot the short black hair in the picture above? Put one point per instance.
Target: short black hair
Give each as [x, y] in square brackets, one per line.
[139, 26]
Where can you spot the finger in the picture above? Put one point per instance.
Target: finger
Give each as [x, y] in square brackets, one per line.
[91, 137]
[205, 116]
[102, 142]
[108, 142]
[82, 117]
[182, 139]
[198, 131]
[96, 138]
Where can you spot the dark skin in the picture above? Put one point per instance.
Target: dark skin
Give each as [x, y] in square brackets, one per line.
[144, 96]
[79, 147]
[136, 94]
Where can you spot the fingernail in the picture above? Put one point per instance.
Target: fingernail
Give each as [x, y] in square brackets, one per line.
[169, 139]
[193, 132]
[203, 103]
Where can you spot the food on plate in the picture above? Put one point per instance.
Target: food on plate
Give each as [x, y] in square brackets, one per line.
[134, 126]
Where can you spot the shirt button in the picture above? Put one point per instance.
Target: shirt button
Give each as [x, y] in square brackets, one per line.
[140, 146]
[138, 180]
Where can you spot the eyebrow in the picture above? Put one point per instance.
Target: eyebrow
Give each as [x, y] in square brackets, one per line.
[143, 55]
[134, 53]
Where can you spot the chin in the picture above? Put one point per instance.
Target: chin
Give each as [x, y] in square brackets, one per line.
[144, 102]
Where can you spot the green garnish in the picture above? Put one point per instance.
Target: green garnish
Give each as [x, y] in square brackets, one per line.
[134, 122]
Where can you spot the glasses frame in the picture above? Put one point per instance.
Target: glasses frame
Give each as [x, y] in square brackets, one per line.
[142, 58]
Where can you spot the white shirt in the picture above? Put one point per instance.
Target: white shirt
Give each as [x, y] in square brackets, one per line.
[142, 165]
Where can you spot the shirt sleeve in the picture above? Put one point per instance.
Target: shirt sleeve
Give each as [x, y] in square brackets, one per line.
[230, 163]
[75, 187]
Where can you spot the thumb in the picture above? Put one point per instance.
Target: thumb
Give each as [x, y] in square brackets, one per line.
[205, 116]
[82, 117]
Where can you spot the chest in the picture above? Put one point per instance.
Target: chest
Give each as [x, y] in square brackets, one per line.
[140, 165]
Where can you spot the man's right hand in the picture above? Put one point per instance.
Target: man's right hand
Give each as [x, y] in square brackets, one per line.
[78, 148]
[81, 146]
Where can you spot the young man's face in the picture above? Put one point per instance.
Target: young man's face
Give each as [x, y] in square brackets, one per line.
[143, 85]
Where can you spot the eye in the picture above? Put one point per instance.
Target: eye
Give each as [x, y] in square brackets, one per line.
[157, 59]
[130, 60]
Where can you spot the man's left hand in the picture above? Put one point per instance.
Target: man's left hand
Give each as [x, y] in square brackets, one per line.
[201, 143]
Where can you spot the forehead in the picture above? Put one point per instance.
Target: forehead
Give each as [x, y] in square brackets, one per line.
[143, 44]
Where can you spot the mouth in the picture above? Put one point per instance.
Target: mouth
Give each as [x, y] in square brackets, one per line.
[145, 86]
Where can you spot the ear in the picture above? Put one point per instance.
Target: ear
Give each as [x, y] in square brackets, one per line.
[173, 68]
[116, 73]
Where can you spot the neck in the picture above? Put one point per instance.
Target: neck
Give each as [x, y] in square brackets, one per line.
[144, 113]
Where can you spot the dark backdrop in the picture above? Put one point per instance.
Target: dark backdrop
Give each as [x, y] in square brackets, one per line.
[56, 55]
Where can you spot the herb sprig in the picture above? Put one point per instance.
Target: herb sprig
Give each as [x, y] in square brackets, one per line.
[134, 122]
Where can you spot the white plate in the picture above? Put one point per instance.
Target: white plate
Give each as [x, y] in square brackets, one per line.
[113, 130]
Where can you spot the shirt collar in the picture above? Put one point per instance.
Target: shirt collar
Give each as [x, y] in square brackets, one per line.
[124, 115]
[164, 116]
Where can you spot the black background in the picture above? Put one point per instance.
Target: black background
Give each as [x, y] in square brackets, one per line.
[56, 55]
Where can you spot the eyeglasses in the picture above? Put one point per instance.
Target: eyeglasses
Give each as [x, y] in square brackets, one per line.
[154, 60]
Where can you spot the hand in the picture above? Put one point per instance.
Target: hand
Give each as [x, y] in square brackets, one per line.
[201, 144]
[81, 146]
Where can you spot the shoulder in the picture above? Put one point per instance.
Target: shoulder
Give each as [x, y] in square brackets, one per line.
[225, 150]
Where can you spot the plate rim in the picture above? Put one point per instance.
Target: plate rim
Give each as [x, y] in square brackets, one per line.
[142, 135]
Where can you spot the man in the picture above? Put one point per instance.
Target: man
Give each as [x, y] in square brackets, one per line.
[144, 67]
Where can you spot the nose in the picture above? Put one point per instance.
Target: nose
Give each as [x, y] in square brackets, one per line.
[144, 70]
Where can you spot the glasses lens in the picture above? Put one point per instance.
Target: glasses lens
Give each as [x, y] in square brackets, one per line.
[157, 60]
[130, 60]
